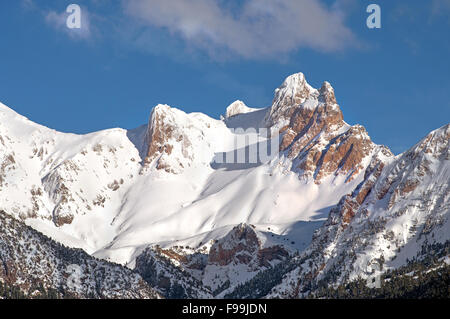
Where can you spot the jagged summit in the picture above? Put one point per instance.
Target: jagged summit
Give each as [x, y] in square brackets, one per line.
[327, 94]
[315, 138]
[296, 100]
[294, 92]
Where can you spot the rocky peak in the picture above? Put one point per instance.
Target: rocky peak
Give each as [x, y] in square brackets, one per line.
[327, 94]
[236, 108]
[419, 165]
[290, 95]
[169, 147]
[298, 106]
[314, 134]
[401, 180]
[159, 132]
[240, 254]
[315, 137]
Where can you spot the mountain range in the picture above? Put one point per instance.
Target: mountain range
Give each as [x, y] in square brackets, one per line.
[169, 209]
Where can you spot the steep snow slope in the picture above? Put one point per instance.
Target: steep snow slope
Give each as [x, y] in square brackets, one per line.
[115, 192]
[184, 195]
[51, 178]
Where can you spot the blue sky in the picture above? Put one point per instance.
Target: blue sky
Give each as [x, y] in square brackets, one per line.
[201, 55]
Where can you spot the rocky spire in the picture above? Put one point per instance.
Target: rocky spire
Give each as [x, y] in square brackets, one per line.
[327, 94]
[168, 144]
[314, 133]
[290, 95]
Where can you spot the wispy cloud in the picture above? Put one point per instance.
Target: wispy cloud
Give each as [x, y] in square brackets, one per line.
[255, 29]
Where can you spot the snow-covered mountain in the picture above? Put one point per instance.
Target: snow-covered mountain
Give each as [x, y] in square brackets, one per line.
[400, 210]
[168, 191]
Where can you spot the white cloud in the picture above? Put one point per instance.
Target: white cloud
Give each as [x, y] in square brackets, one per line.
[258, 28]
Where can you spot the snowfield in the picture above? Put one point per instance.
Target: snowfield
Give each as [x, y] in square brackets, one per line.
[152, 206]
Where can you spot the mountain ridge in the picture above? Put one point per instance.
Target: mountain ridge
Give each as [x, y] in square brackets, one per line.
[121, 195]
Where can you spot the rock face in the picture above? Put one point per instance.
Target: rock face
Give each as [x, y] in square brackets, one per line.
[168, 272]
[241, 246]
[293, 93]
[238, 246]
[32, 262]
[315, 137]
[163, 135]
[401, 206]
[238, 257]
[231, 260]
[316, 141]
[175, 140]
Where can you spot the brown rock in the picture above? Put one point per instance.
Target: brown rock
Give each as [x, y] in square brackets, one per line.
[268, 254]
[312, 135]
[240, 241]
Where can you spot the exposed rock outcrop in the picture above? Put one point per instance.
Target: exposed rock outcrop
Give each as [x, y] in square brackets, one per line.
[163, 135]
[402, 204]
[238, 246]
[315, 137]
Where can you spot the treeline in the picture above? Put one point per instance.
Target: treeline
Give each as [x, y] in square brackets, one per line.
[8, 291]
[426, 276]
[434, 284]
[260, 285]
[11, 292]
